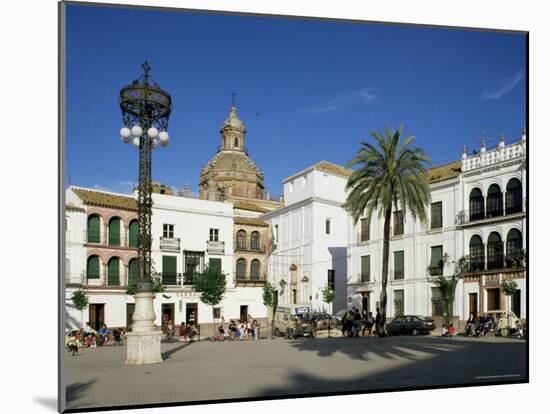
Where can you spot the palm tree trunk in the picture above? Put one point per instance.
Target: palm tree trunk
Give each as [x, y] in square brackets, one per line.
[385, 265]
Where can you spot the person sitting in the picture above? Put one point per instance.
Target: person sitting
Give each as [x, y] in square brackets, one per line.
[232, 329]
[192, 331]
[444, 332]
[104, 335]
[117, 336]
[452, 330]
[182, 332]
[519, 330]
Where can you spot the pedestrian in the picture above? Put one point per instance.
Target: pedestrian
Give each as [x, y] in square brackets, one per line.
[256, 329]
[249, 332]
[241, 331]
[312, 328]
[470, 325]
[221, 331]
[356, 322]
[369, 322]
[232, 329]
[377, 321]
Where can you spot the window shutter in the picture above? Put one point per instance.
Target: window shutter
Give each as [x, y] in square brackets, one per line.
[437, 255]
[113, 272]
[93, 268]
[93, 229]
[169, 265]
[365, 269]
[398, 258]
[133, 234]
[114, 232]
[215, 264]
[133, 272]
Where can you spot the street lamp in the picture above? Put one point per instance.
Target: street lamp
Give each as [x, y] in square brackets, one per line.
[145, 111]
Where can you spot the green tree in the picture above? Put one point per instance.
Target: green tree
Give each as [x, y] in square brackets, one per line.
[80, 302]
[390, 174]
[269, 302]
[211, 285]
[447, 286]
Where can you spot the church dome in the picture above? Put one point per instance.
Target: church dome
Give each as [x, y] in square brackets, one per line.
[231, 161]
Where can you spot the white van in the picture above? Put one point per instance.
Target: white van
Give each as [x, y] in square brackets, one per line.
[285, 316]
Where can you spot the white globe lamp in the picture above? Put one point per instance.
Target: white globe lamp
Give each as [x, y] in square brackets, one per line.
[164, 138]
[152, 132]
[135, 141]
[137, 131]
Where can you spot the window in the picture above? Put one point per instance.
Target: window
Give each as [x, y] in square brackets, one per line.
[255, 269]
[327, 226]
[214, 234]
[133, 271]
[365, 269]
[133, 234]
[168, 231]
[513, 196]
[92, 267]
[241, 239]
[437, 215]
[398, 223]
[437, 302]
[236, 142]
[215, 264]
[495, 252]
[169, 270]
[365, 230]
[114, 232]
[514, 247]
[477, 209]
[477, 254]
[436, 261]
[113, 272]
[193, 264]
[94, 234]
[399, 265]
[494, 201]
[276, 233]
[399, 302]
[331, 279]
[255, 241]
[241, 269]
[217, 313]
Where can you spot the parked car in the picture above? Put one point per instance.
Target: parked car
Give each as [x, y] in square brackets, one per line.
[285, 317]
[410, 325]
[505, 322]
[323, 320]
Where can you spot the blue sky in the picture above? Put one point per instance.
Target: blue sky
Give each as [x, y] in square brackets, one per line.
[306, 90]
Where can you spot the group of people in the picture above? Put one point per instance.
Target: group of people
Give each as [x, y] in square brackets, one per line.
[241, 331]
[90, 338]
[353, 323]
[448, 332]
[480, 326]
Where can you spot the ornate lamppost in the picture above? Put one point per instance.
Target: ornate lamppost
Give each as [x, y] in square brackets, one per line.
[145, 111]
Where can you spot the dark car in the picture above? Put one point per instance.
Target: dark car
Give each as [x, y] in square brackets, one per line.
[410, 325]
[323, 320]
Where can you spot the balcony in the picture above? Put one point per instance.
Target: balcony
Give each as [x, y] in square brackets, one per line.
[170, 244]
[215, 247]
[248, 280]
[465, 219]
[249, 247]
[171, 280]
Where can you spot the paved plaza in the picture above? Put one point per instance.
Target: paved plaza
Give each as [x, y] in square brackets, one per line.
[211, 370]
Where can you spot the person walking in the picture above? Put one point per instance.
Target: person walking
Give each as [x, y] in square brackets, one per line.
[183, 332]
[369, 322]
[377, 322]
[255, 329]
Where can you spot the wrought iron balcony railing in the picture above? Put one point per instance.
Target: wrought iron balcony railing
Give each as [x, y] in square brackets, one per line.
[215, 247]
[250, 246]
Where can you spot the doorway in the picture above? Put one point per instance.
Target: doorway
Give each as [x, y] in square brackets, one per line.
[493, 299]
[130, 308]
[244, 313]
[97, 315]
[191, 313]
[168, 311]
[366, 304]
[472, 303]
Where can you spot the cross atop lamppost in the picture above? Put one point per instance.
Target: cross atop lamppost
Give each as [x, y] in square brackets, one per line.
[145, 110]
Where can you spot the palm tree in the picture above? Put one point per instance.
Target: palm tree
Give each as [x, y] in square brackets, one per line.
[393, 174]
[447, 288]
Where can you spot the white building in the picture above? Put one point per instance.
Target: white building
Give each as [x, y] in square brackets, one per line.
[310, 235]
[187, 234]
[477, 210]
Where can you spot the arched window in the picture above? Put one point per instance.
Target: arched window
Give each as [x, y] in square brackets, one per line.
[514, 247]
[513, 196]
[255, 241]
[241, 269]
[94, 234]
[255, 269]
[114, 232]
[133, 272]
[477, 209]
[133, 234]
[113, 272]
[494, 201]
[241, 239]
[495, 252]
[236, 142]
[477, 254]
[92, 267]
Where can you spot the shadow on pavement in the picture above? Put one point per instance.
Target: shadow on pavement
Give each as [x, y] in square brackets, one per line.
[167, 354]
[48, 402]
[78, 389]
[415, 363]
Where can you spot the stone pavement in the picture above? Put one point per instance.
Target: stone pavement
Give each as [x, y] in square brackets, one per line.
[211, 370]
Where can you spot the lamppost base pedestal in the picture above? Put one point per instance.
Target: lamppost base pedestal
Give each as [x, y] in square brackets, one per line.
[143, 348]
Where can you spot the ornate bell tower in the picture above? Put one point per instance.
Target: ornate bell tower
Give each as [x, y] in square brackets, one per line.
[233, 132]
